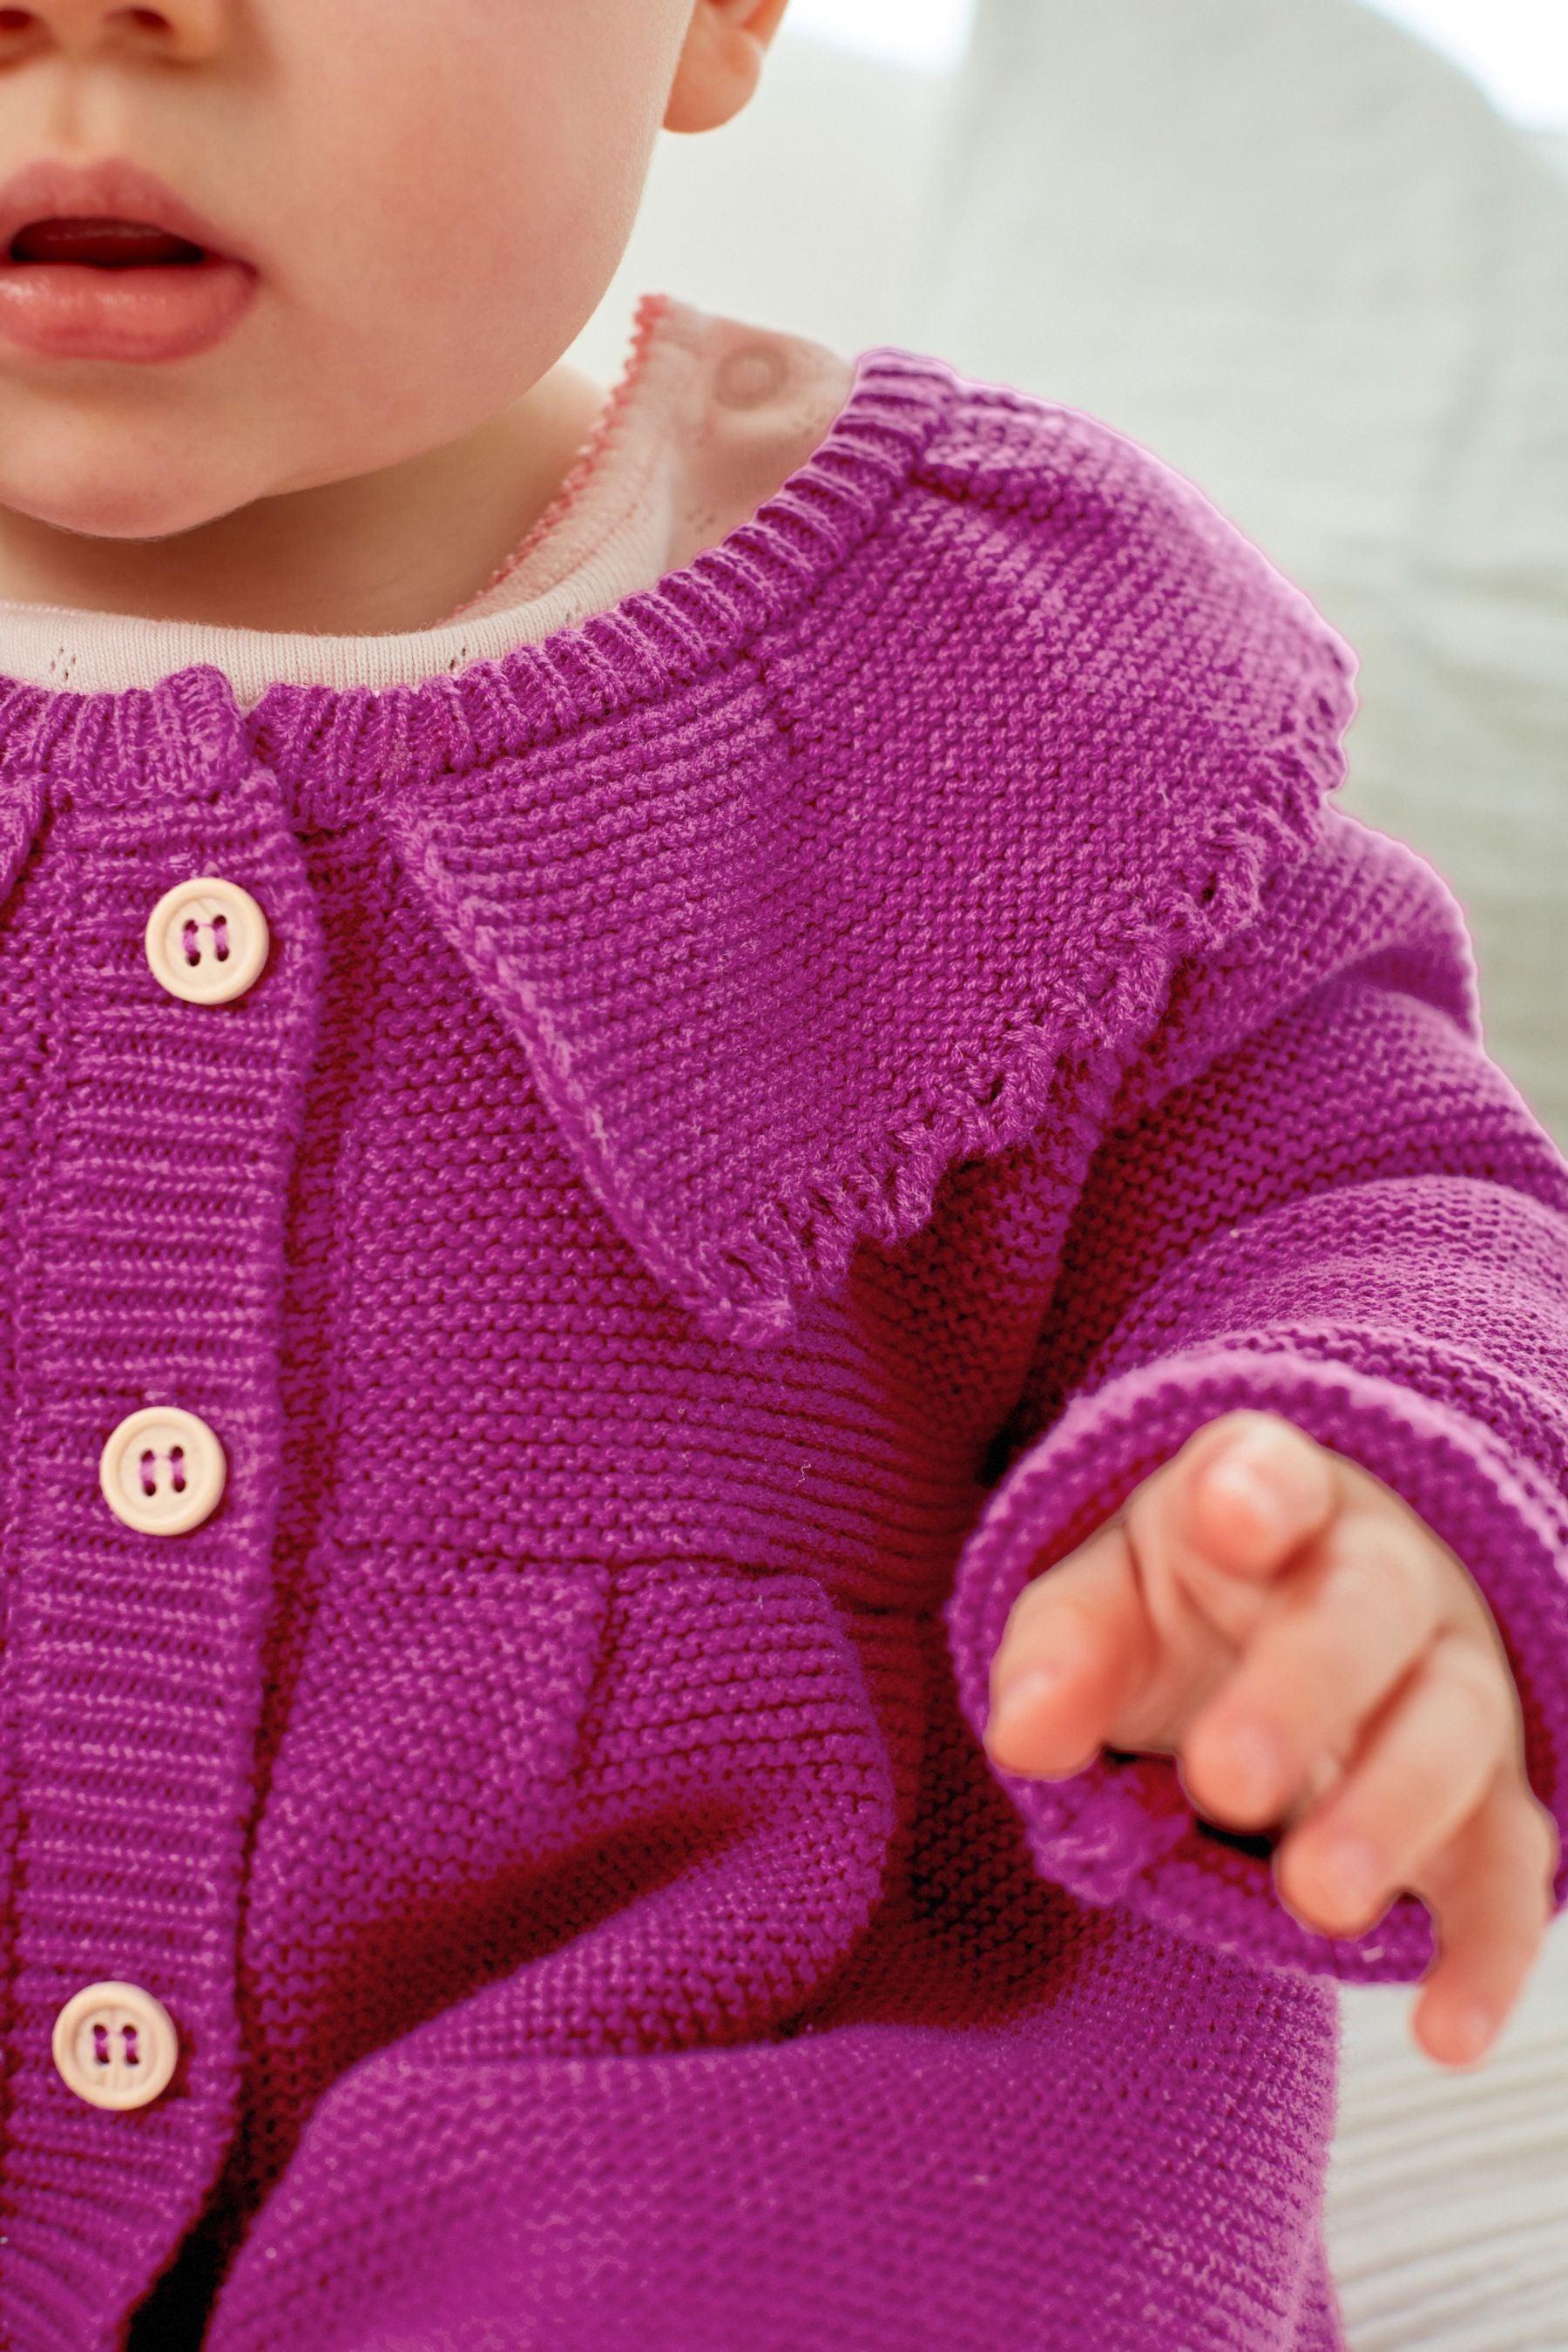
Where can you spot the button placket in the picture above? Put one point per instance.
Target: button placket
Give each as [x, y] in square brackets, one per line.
[163, 1470]
[157, 1283]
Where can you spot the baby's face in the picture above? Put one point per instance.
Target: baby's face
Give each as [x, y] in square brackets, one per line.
[432, 196]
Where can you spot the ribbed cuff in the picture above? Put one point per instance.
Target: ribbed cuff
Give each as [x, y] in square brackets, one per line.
[1123, 1831]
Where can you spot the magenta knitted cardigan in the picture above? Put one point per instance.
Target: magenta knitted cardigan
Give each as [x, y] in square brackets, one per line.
[766, 1116]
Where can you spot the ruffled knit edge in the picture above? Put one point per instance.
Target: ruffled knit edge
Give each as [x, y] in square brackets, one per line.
[1040, 1080]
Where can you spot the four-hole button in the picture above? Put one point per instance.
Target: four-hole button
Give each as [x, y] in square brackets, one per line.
[206, 939]
[162, 1471]
[115, 2045]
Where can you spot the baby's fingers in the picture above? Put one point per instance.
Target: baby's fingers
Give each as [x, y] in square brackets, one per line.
[1491, 1891]
[1076, 1644]
[1426, 1763]
[1244, 1492]
[1342, 1635]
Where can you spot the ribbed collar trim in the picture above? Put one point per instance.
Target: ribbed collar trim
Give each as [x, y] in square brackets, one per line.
[336, 751]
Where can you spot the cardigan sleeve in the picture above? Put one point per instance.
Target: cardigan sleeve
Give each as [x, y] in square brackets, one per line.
[1314, 1195]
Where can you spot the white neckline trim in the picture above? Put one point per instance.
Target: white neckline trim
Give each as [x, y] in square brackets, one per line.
[609, 541]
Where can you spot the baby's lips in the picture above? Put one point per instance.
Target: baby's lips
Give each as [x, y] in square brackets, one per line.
[114, 188]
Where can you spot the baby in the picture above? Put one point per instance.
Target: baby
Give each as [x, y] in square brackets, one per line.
[786, 1403]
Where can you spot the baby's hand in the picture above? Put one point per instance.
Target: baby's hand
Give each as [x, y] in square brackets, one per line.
[1287, 1626]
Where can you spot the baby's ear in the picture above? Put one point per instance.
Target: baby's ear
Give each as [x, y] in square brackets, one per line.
[720, 61]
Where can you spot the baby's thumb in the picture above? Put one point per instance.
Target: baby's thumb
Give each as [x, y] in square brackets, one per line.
[1076, 1652]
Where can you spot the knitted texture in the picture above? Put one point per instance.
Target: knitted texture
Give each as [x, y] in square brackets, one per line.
[766, 1115]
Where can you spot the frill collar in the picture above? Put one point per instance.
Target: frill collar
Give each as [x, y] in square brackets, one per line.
[797, 878]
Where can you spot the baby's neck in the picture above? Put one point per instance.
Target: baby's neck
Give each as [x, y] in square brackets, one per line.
[393, 550]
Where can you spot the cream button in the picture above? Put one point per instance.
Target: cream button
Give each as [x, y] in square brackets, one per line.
[115, 2045]
[162, 1471]
[206, 939]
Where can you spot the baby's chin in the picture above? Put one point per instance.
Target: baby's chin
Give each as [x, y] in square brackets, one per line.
[113, 483]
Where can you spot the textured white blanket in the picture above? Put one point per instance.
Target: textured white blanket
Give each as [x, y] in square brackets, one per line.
[1448, 2193]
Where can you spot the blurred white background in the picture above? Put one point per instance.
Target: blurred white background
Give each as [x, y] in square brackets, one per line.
[1315, 253]
[1517, 49]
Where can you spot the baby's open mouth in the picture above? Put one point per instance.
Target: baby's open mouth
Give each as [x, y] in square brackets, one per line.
[99, 286]
[102, 243]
